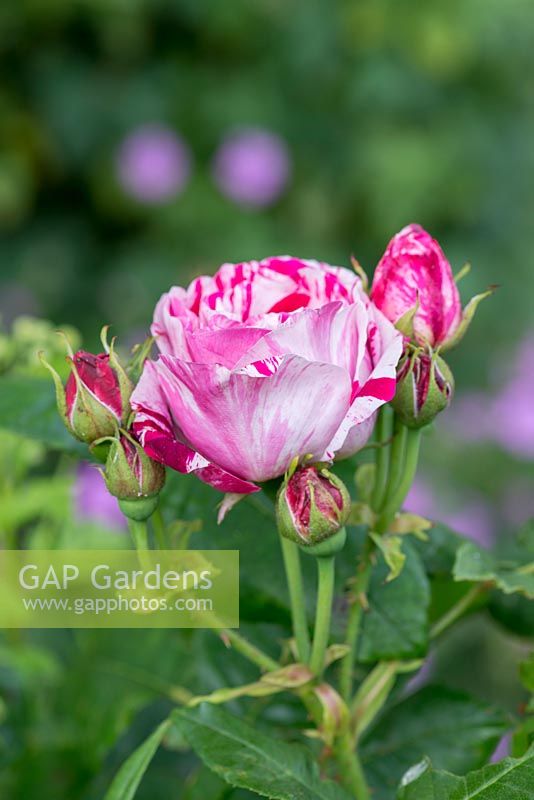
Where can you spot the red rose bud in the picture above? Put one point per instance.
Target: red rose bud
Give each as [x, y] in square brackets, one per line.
[425, 386]
[414, 287]
[311, 509]
[95, 400]
[134, 478]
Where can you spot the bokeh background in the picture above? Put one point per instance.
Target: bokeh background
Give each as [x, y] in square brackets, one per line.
[143, 142]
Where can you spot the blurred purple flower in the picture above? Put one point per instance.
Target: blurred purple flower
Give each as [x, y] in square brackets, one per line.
[252, 167]
[421, 677]
[518, 503]
[421, 500]
[507, 417]
[468, 417]
[472, 519]
[93, 502]
[153, 164]
[502, 750]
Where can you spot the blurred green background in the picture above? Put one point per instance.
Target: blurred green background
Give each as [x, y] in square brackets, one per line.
[339, 123]
[382, 113]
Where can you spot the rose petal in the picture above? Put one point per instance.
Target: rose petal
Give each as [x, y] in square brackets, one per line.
[253, 426]
[385, 347]
[153, 426]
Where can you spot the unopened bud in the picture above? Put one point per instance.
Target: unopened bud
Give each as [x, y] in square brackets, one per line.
[312, 507]
[425, 386]
[95, 400]
[133, 477]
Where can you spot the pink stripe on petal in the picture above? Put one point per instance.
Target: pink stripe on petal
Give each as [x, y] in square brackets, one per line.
[381, 388]
[185, 460]
[381, 381]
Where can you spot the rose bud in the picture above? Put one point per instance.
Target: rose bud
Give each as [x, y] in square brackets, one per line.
[134, 478]
[95, 400]
[425, 385]
[312, 507]
[414, 287]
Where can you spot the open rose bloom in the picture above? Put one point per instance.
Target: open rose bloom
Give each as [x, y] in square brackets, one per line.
[261, 363]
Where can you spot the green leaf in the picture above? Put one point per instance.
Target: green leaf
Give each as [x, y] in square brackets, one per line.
[474, 564]
[396, 624]
[456, 731]
[421, 782]
[128, 778]
[391, 549]
[406, 522]
[205, 784]
[514, 612]
[248, 759]
[439, 552]
[28, 407]
[511, 779]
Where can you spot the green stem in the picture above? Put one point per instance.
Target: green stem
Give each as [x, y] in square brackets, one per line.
[361, 585]
[457, 610]
[383, 433]
[249, 650]
[394, 503]
[371, 695]
[350, 768]
[160, 532]
[291, 556]
[139, 533]
[323, 613]
[396, 468]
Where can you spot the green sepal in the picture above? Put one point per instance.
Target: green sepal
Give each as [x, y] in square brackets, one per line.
[61, 400]
[467, 317]
[328, 547]
[141, 509]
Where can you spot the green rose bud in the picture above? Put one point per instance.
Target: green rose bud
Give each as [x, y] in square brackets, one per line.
[134, 478]
[312, 507]
[425, 386]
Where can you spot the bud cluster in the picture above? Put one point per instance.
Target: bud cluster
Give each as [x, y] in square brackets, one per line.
[95, 407]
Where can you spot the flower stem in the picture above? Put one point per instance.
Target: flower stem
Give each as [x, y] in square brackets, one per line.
[291, 556]
[350, 768]
[249, 650]
[139, 533]
[361, 585]
[383, 432]
[160, 532]
[323, 615]
[457, 610]
[396, 465]
[394, 502]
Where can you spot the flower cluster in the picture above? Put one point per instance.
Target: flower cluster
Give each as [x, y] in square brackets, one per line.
[261, 363]
[271, 365]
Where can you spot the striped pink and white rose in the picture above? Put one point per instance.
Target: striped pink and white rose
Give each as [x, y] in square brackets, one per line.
[261, 363]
